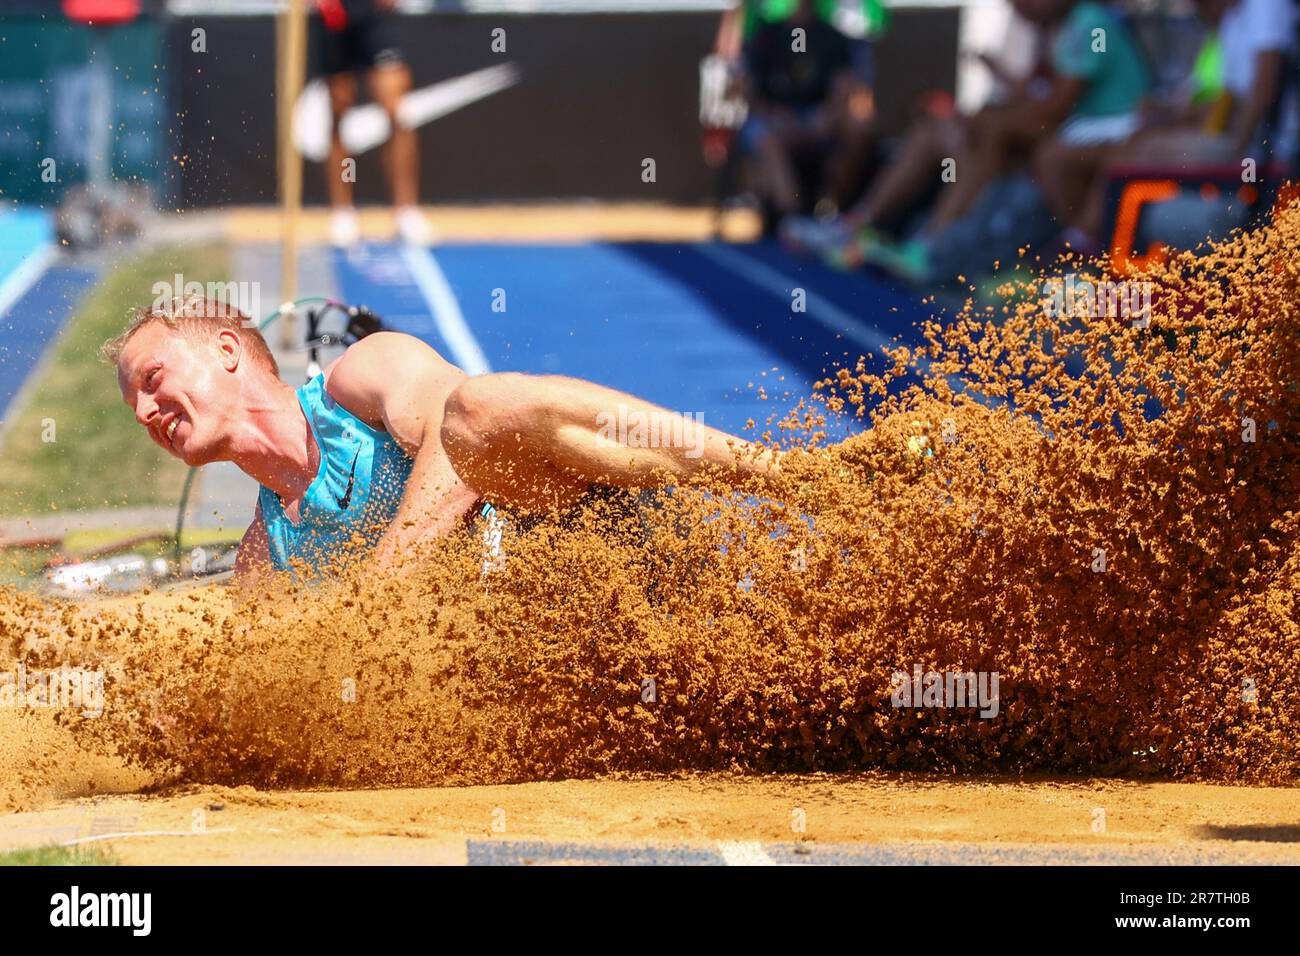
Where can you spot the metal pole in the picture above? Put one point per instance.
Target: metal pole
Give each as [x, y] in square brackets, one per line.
[291, 49]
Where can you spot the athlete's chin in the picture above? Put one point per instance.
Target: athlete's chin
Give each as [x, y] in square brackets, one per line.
[195, 457]
[197, 461]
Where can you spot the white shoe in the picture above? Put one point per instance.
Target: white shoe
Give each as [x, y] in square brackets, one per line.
[412, 227]
[345, 228]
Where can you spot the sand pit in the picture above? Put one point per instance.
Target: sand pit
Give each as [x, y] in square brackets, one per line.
[712, 818]
[1102, 515]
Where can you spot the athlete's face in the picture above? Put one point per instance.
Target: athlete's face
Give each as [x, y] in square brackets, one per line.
[182, 389]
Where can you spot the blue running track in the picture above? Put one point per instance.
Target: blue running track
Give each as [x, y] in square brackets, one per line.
[36, 296]
[686, 326]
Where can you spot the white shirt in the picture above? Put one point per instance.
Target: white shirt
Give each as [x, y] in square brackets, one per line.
[1249, 28]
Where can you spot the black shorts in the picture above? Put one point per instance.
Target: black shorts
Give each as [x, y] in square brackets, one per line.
[368, 41]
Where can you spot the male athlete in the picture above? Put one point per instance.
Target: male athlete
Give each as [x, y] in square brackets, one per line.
[391, 444]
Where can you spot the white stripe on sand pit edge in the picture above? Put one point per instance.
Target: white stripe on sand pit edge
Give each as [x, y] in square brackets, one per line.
[25, 275]
[442, 303]
[820, 310]
[130, 834]
[744, 853]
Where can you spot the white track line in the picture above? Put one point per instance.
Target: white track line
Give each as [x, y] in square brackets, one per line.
[18, 282]
[744, 853]
[820, 310]
[145, 833]
[442, 303]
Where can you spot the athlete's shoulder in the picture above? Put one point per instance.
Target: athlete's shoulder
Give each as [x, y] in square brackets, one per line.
[382, 354]
[383, 369]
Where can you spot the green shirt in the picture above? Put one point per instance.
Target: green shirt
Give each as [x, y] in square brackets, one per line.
[1207, 72]
[1094, 45]
[775, 11]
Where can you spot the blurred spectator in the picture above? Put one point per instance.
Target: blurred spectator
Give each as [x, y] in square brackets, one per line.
[942, 134]
[1198, 99]
[859, 20]
[1258, 38]
[1237, 106]
[805, 101]
[1088, 82]
[1099, 79]
[351, 37]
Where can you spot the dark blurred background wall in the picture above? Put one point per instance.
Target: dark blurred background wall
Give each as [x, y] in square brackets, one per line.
[598, 94]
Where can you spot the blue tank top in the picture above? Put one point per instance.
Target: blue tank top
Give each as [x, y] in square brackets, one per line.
[354, 496]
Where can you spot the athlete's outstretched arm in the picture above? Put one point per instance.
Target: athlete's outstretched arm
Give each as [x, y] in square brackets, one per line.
[539, 441]
[396, 382]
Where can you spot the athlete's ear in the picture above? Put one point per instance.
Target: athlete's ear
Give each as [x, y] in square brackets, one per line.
[230, 348]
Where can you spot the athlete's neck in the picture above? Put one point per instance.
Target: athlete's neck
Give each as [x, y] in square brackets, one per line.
[274, 443]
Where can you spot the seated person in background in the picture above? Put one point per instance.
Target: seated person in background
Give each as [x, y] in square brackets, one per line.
[937, 136]
[861, 20]
[1234, 104]
[1098, 79]
[1198, 101]
[804, 95]
[1255, 38]
[1258, 39]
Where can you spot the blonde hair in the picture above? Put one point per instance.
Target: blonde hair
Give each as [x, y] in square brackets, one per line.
[197, 317]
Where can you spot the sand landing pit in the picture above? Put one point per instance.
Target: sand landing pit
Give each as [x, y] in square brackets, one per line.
[700, 818]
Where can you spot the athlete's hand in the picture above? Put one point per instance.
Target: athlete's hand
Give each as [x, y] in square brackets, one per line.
[409, 534]
[388, 556]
